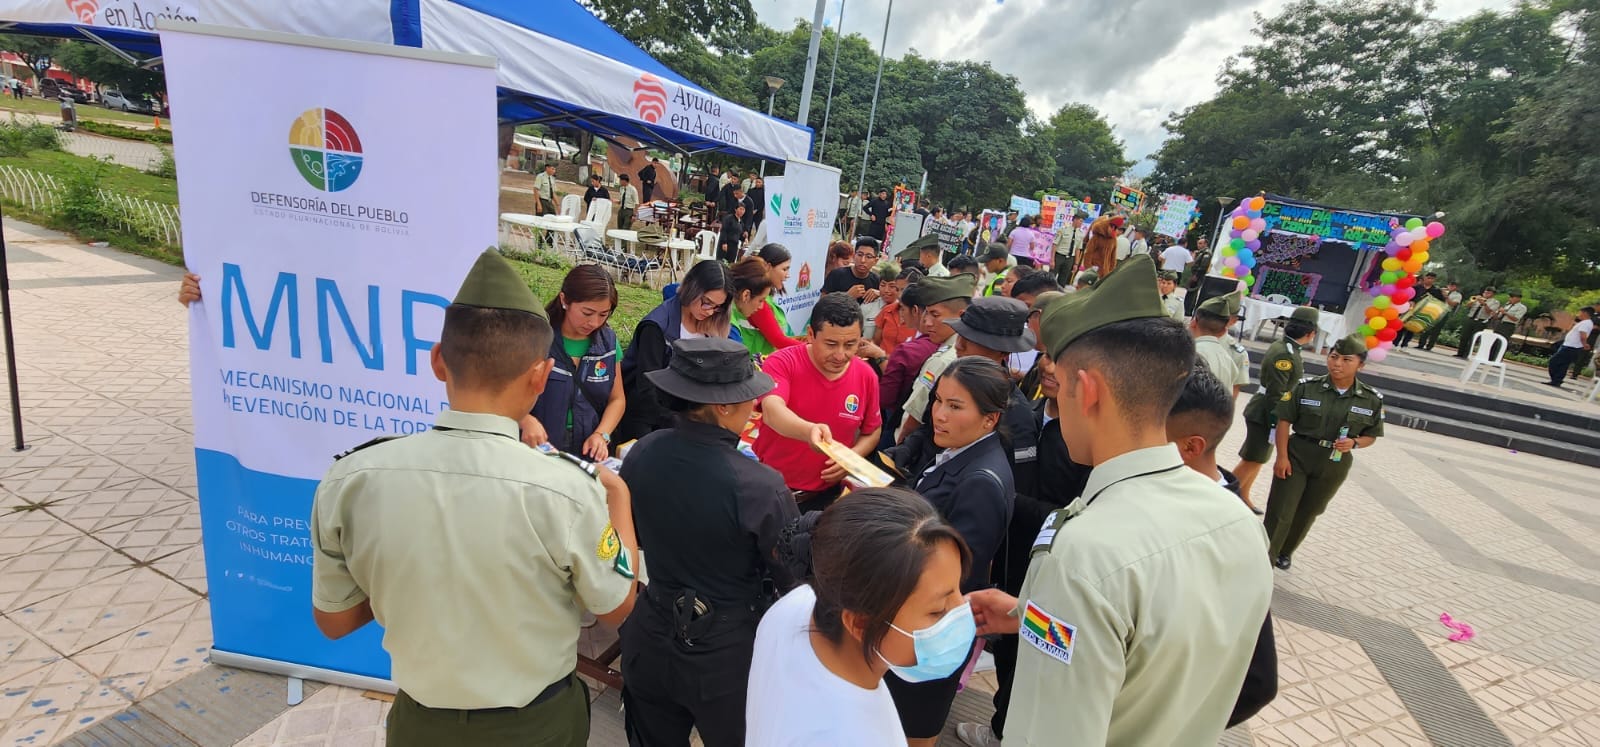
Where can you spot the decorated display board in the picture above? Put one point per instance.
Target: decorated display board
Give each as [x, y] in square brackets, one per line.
[991, 226]
[801, 207]
[330, 229]
[1351, 227]
[1127, 198]
[1299, 287]
[1025, 206]
[902, 201]
[1177, 212]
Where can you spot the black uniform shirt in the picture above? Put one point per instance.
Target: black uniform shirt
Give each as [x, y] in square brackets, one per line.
[707, 516]
[842, 279]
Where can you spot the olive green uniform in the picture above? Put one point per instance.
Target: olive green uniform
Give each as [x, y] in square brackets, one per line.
[1280, 371]
[1316, 412]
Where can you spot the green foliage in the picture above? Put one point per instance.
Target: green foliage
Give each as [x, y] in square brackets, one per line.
[167, 168]
[19, 138]
[109, 70]
[81, 204]
[30, 49]
[162, 136]
[1087, 158]
[660, 26]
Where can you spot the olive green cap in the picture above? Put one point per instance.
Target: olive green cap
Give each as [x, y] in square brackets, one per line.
[1170, 276]
[938, 290]
[493, 284]
[1089, 277]
[927, 241]
[1352, 345]
[1128, 292]
[1225, 305]
[1305, 314]
[1045, 299]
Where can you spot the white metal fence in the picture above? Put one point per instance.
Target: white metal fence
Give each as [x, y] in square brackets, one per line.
[41, 192]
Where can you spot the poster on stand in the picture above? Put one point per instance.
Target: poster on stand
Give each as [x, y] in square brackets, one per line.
[1177, 212]
[801, 208]
[330, 228]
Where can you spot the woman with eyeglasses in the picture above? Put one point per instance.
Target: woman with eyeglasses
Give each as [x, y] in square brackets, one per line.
[884, 595]
[700, 309]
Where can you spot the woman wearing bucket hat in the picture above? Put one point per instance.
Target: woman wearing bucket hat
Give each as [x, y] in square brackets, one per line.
[711, 516]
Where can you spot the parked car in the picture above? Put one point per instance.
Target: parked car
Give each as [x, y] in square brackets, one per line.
[51, 88]
[112, 98]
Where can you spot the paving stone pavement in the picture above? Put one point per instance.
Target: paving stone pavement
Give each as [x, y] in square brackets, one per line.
[105, 628]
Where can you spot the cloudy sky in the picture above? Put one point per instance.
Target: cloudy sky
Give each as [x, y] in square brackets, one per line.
[1134, 60]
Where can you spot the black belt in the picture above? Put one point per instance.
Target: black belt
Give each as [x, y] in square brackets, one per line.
[802, 496]
[1319, 442]
[549, 693]
[694, 618]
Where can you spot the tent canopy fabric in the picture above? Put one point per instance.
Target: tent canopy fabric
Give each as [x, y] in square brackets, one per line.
[558, 63]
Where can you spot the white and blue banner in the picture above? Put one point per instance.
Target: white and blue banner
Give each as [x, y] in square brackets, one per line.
[334, 194]
[801, 208]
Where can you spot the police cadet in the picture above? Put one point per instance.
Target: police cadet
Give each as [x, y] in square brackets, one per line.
[475, 552]
[1228, 360]
[1144, 597]
[1280, 370]
[1320, 422]
[1167, 283]
[711, 517]
[944, 299]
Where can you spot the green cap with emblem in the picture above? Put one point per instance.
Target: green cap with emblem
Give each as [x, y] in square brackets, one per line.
[1352, 345]
[927, 241]
[1305, 314]
[493, 284]
[1087, 277]
[1170, 276]
[931, 290]
[1129, 292]
[1225, 305]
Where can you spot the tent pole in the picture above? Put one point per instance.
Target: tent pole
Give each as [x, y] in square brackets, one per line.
[811, 63]
[11, 347]
[833, 73]
[883, 49]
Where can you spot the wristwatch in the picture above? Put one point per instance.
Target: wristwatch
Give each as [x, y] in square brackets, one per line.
[604, 435]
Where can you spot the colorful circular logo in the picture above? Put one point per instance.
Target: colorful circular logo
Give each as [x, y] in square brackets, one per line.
[852, 403]
[649, 98]
[326, 150]
[600, 369]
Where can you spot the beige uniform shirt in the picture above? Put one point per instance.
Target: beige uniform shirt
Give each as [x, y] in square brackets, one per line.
[1228, 362]
[1514, 313]
[544, 185]
[1139, 614]
[630, 197]
[1174, 306]
[922, 388]
[477, 554]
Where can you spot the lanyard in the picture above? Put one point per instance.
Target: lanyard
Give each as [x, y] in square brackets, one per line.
[1097, 493]
[447, 429]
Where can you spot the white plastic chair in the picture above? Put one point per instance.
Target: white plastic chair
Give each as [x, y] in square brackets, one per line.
[1593, 391]
[708, 245]
[599, 214]
[1488, 351]
[572, 205]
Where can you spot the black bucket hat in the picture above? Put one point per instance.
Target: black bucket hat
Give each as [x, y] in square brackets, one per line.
[711, 371]
[997, 323]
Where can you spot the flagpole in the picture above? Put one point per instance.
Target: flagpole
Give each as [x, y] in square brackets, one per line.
[883, 48]
[833, 73]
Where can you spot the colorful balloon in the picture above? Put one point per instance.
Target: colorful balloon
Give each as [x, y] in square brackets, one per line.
[1420, 257]
[1249, 235]
[1435, 230]
[1414, 223]
[1401, 309]
[1378, 322]
[1240, 223]
[1373, 342]
[1238, 244]
[1253, 245]
[1406, 281]
[1259, 225]
[1403, 295]
[1419, 245]
[1247, 258]
[1403, 239]
[1382, 302]
[1386, 334]
[1390, 313]
[1258, 202]
[1386, 290]
[1377, 356]
[1392, 265]
[1373, 311]
[1412, 265]
[1228, 250]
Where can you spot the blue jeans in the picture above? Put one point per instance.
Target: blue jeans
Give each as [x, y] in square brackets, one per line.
[1560, 362]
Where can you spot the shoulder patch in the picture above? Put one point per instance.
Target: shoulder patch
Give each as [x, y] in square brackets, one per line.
[1284, 365]
[369, 444]
[610, 544]
[1237, 348]
[1052, 636]
[1286, 396]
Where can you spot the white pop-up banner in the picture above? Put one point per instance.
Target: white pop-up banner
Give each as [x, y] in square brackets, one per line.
[330, 220]
[800, 211]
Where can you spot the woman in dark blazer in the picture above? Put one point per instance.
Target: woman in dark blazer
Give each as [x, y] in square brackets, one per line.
[970, 483]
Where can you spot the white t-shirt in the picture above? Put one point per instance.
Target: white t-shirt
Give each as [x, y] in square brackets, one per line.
[1579, 334]
[833, 711]
[1176, 257]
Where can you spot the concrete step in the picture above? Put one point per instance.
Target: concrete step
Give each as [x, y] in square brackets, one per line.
[1491, 436]
[1534, 425]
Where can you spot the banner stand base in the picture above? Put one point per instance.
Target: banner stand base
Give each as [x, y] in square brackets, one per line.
[287, 669]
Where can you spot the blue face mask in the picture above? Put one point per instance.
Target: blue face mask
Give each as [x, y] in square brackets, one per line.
[941, 648]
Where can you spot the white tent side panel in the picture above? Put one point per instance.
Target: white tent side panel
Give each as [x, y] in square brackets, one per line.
[553, 69]
[359, 20]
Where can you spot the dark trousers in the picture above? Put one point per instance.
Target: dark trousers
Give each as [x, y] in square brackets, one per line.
[671, 687]
[1430, 336]
[1469, 328]
[560, 721]
[1561, 361]
[1506, 330]
[1064, 270]
[1403, 337]
[625, 219]
[646, 189]
[1297, 500]
[548, 206]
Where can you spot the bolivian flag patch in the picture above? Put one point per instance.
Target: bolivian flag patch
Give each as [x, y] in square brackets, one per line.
[927, 379]
[1046, 633]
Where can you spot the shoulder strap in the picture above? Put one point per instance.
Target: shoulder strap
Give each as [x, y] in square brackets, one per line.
[369, 444]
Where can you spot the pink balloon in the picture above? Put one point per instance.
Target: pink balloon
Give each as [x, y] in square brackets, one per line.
[1230, 261]
[1403, 239]
[1387, 289]
[1244, 286]
[1258, 225]
[1435, 230]
[1403, 308]
[1377, 354]
[1248, 235]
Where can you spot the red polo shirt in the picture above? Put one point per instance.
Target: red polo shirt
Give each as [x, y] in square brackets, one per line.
[847, 405]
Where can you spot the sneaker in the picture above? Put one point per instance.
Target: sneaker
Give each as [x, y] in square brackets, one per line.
[977, 735]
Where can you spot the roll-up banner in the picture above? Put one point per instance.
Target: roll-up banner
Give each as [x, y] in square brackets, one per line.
[330, 220]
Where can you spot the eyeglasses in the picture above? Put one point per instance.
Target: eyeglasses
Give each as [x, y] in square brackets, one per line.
[708, 305]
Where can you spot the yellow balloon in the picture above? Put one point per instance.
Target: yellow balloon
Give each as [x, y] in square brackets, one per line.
[1391, 264]
[1420, 257]
[1378, 322]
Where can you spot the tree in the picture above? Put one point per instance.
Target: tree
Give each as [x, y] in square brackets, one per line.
[107, 68]
[659, 26]
[1086, 156]
[30, 48]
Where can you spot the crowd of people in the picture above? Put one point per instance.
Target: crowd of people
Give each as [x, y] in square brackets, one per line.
[1055, 500]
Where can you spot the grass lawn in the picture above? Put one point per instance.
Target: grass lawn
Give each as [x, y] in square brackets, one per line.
[52, 109]
[633, 301]
[113, 178]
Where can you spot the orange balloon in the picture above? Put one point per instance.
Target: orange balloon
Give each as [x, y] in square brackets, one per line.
[1419, 247]
[1390, 313]
[1258, 202]
[1241, 223]
[1413, 265]
[1373, 311]
[1373, 342]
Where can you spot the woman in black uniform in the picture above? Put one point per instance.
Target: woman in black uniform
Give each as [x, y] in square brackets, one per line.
[710, 516]
[971, 485]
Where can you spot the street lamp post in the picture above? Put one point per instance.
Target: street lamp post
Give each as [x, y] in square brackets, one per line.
[773, 84]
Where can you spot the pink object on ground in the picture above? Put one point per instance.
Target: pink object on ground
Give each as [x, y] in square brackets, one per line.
[1463, 632]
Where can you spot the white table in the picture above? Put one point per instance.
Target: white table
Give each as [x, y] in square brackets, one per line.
[679, 250]
[1330, 326]
[618, 235]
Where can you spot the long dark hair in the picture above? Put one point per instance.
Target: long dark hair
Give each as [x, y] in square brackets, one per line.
[703, 278]
[868, 553]
[582, 284]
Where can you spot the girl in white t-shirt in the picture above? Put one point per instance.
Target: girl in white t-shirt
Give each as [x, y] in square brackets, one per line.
[885, 593]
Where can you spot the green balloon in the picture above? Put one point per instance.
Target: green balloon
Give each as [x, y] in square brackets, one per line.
[1229, 251]
[1367, 331]
[1237, 244]
[1388, 278]
[1414, 223]
[1382, 302]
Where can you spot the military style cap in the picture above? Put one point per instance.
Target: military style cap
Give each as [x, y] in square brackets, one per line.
[929, 242]
[938, 290]
[1225, 305]
[493, 284]
[1352, 345]
[1129, 292]
[1170, 276]
[1045, 299]
[711, 371]
[1087, 276]
[1514, 292]
[1305, 314]
[997, 323]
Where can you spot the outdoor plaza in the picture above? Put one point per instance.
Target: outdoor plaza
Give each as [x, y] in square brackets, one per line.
[105, 623]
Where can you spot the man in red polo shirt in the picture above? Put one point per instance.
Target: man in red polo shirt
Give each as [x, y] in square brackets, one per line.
[824, 392]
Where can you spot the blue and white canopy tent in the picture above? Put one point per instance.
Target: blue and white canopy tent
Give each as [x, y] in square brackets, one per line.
[558, 64]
